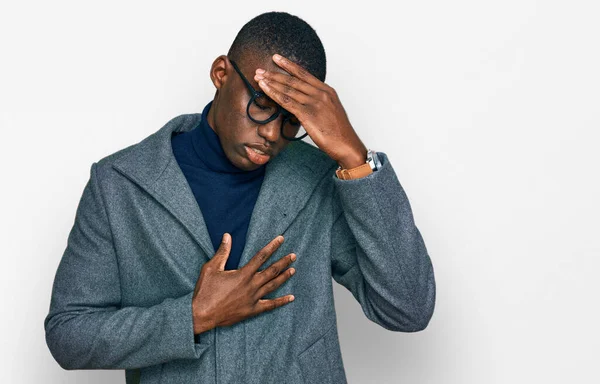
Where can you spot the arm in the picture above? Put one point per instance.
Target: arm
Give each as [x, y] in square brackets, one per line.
[378, 253]
[86, 328]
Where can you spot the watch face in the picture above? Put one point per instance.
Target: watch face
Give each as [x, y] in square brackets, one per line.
[377, 162]
[373, 160]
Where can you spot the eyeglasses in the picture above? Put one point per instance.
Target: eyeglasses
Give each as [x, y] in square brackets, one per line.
[261, 109]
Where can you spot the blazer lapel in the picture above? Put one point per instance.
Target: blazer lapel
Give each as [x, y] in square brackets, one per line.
[288, 183]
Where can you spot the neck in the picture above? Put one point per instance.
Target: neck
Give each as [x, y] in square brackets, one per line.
[211, 116]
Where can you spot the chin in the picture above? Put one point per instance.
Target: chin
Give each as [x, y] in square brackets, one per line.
[241, 161]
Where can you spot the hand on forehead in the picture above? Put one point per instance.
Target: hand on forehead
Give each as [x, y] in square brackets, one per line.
[269, 66]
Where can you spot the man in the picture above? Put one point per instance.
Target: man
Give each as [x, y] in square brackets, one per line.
[178, 267]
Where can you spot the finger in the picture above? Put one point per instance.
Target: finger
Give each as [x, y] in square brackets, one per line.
[267, 305]
[274, 270]
[275, 283]
[293, 82]
[298, 71]
[262, 255]
[223, 251]
[285, 89]
[285, 100]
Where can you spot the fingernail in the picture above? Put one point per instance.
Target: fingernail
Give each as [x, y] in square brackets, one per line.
[277, 57]
[292, 271]
[225, 238]
[293, 257]
[260, 70]
[291, 297]
[259, 77]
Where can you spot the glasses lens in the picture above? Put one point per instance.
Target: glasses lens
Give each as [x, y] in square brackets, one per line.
[262, 108]
[292, 129]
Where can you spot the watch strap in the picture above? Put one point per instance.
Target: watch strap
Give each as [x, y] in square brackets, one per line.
[354, 173]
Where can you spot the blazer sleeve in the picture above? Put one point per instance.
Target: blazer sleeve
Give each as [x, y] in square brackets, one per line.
[378, 253]
[86, 327]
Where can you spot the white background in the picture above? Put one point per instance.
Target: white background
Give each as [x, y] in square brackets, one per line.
[488, 111]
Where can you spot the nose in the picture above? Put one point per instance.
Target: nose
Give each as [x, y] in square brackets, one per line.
[271, 130]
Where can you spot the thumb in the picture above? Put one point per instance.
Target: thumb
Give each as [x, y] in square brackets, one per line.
[222, 253]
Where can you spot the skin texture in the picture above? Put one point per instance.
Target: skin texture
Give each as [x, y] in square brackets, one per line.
[221, 297]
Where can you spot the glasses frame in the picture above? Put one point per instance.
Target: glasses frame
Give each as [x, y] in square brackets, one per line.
[254, 94]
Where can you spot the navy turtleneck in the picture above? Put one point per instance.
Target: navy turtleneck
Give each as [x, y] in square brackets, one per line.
[225, 193]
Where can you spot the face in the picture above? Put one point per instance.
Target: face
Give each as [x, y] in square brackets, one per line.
[227, 115]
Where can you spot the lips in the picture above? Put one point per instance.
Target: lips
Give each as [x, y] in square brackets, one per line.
[256, 157]
[263, 149]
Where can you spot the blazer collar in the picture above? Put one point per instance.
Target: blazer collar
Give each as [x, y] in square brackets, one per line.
[290, 178]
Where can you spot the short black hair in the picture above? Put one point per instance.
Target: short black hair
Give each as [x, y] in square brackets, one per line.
[280, 32]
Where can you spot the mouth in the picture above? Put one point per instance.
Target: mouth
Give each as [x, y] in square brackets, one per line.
[257, 156]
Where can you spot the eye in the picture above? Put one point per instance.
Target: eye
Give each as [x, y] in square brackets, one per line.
[264, 104]
[261, 107]
[291, 118]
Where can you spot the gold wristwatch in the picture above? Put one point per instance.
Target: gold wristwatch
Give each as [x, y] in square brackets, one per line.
[371, 165]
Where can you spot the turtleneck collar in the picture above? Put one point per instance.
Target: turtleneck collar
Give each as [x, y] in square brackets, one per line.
[207, 147]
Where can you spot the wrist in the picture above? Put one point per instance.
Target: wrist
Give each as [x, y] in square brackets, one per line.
[366, 167]
[201, 320]
[353, 159]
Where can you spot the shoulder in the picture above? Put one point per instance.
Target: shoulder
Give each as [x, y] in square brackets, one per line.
[150, 155]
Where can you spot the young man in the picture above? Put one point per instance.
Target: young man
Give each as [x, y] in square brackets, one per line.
[179, 265]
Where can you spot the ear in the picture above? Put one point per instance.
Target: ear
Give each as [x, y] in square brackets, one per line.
[220, 70]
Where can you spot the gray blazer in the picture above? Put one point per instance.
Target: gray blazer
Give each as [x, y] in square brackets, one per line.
[123, 289]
